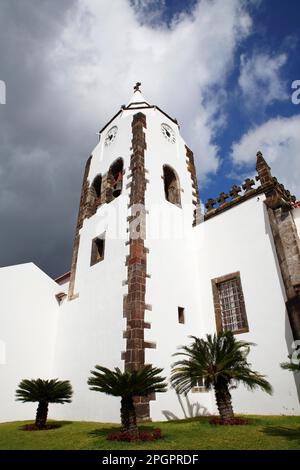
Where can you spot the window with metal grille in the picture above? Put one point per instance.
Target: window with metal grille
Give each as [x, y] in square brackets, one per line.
[229, 304]
[231, 308]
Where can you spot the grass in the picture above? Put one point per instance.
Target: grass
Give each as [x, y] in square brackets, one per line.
[262, 432]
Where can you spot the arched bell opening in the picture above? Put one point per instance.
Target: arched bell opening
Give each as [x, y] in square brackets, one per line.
[115, 176]
[97, 186]
[171, 186]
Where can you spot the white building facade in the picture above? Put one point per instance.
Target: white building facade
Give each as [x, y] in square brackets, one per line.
[148, 271]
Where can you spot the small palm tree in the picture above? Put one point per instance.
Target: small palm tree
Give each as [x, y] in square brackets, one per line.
[221, 362]
[44, 392]
[127, 385]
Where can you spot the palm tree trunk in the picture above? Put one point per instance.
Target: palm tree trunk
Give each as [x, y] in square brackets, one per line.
[128, 415]
[41, 415]
[223, 399]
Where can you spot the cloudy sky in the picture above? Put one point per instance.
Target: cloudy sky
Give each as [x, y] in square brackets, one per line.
[223, 68]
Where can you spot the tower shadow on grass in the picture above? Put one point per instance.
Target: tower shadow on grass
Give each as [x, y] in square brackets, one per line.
[291, 434]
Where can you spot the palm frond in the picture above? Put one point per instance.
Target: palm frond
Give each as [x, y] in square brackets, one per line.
[220, 360]
[39, 390]
[142, 382]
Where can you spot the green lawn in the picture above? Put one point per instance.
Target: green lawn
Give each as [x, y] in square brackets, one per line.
[263, 432]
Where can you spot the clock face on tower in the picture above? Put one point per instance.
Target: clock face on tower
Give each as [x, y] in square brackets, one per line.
[168, 133]
[111, 135]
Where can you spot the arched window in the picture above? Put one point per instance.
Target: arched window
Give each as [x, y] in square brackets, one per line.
[97, 185]
[115, 177]
[172, 186]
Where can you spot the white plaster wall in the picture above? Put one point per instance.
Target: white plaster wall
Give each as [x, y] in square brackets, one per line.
[64, 287]
[28, 320]
[241, 240]
[94, 322]
[181, 262]
[171, 262]
[91, 326]
[103, 156]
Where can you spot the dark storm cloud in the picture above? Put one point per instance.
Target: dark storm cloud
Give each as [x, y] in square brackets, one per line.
[42, 147]
[68, 66]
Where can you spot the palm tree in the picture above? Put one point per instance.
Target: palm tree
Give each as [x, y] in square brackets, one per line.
[127, 385]
[221, 362]
[44, 392]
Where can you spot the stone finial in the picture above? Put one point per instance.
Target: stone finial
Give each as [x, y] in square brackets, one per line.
[260, 161]
[235, 190]
[247, 186]
[210, 204]
[222, 198]
[263, 170]
[137, 86]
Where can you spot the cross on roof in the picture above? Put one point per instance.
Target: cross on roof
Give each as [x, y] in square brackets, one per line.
[210, 204]
[235, 190]
[247, 186]
[222, 198]
[137, 86]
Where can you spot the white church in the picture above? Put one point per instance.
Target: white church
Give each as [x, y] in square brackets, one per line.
[148, 270]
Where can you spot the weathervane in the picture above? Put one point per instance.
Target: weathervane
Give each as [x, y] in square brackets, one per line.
[137, 86]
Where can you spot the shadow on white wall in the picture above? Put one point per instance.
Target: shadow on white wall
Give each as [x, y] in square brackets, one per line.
[190, 410]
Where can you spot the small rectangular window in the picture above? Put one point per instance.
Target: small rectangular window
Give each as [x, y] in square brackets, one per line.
[98, 246]
[180, 315]
[229, 304]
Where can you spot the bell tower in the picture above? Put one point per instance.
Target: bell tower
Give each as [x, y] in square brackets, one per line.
[132, 262]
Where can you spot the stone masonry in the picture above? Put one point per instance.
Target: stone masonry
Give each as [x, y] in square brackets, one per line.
[279, 204]
[134, 302]
[83, 207]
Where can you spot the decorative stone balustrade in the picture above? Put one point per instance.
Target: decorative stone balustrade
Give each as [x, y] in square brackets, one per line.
[268, 184]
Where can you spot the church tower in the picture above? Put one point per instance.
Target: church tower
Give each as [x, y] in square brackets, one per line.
[146, 275]
[131, 267]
